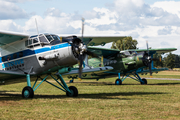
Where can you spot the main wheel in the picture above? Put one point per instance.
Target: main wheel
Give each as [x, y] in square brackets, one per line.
[27, 92]
[144, 81]
[118, 82]
[74, 92]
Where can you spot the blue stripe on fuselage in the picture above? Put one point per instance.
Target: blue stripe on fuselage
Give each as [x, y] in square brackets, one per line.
[29, 52]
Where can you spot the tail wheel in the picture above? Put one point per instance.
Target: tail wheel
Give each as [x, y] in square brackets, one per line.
[118, 82]
[71, 81]
[144, 81]
[27, 92]
[73, 93]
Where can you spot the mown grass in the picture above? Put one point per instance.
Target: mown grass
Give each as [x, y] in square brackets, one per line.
[164, 74]
[97, 100]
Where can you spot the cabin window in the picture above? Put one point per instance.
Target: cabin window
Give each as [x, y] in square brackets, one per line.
[20, 54]
[9, 57]
[14, 56]
[3, 59]
[30, 41]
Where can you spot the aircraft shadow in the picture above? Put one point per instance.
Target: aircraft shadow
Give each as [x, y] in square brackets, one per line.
[16, 97]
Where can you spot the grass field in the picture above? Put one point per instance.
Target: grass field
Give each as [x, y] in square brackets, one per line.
[160, 99]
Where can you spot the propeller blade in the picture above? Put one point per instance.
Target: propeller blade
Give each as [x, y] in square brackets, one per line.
[82, 27]
[147, 47]
[80, 65]
[150, 69]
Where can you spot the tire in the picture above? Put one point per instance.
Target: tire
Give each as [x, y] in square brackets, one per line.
[118, 82]
[144, 82]
[27, 92]
[74, 92]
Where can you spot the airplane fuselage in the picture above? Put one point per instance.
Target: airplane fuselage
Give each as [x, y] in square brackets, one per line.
[37, 59]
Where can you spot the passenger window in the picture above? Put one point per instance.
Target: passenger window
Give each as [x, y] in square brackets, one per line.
[20, 54]
[3, 59]
[30, 41]
[14, 55]
[9, 57]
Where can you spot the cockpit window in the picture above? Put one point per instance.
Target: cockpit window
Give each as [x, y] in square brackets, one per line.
[42, 39]
[126, 53]
[55, 37]
[133, 52]
[35, 40]
[49, 38]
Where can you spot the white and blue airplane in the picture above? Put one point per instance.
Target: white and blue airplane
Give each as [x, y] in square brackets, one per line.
[43, 55]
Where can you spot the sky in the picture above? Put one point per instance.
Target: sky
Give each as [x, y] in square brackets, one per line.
[155, 21]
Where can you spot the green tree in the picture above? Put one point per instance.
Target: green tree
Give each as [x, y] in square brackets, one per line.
[124, 44]
[177, 61]
[169, 61]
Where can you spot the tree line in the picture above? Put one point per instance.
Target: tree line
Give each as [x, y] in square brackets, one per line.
[169, 60]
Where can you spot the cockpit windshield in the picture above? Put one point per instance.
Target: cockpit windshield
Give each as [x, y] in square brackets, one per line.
[42, 39]
[126, 53]
[52, 38]
[55, 37]
[133, 52]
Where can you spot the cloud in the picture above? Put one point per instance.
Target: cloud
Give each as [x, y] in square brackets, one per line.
[169, 6]
[11, 11]
[134, 34]
[132, 14]
[53, 12]
[9, 25]
[165, 31]
[51, 24]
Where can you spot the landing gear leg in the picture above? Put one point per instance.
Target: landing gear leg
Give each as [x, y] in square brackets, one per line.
[138, 78]
[27, 91]
[120, 80]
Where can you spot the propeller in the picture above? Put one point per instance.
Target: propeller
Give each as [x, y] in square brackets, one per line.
[82, 49]
[149, 59]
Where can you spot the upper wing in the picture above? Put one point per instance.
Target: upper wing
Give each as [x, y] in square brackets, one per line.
[152, 51]
[10, 37]
[105, 52]
[100, 40]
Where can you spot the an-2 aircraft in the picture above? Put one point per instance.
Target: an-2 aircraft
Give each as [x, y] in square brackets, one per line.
[43, 55]
[128, 63]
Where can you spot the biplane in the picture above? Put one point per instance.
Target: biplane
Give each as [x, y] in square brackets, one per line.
[127, 63]
[42, 56]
